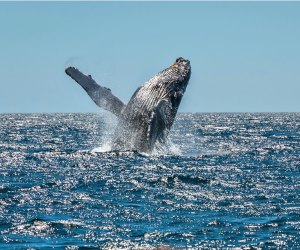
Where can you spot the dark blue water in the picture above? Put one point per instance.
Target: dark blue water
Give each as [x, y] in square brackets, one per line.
[226, 181]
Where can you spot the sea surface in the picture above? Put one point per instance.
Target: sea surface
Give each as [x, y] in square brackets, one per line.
[223, 181]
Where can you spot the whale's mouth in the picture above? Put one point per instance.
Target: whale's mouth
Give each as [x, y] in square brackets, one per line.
[180, 62]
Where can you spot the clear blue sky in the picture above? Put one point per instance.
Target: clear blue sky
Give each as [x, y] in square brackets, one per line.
[245, 56]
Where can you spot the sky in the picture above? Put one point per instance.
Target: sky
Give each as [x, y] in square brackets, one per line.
[245, 56]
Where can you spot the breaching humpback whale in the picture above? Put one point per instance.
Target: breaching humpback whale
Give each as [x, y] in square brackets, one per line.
[149, 114]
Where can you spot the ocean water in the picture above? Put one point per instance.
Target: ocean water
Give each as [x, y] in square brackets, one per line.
[224, 181]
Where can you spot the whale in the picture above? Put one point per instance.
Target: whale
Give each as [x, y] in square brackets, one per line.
[146, 120]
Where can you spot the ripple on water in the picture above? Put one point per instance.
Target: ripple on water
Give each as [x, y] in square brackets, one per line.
[230, 181]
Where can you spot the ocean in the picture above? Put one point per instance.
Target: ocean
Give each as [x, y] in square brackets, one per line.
[223, 181]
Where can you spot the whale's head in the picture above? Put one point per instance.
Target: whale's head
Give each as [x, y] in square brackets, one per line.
[169, 83]
[182, 66]
[176, 77]
[179, 73]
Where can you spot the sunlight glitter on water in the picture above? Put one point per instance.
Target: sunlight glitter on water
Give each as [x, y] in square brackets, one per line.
[233, 183]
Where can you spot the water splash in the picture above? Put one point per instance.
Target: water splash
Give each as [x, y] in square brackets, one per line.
[102, 149]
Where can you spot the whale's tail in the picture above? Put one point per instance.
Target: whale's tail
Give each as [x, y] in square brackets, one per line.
[100, 95]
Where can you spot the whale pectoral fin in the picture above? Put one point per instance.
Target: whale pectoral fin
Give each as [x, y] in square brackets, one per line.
[100, 95]
[158, 122]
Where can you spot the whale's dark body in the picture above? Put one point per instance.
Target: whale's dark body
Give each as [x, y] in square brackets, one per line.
[150, 113]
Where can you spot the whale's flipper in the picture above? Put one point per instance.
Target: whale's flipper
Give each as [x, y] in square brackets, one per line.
[100, 95]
